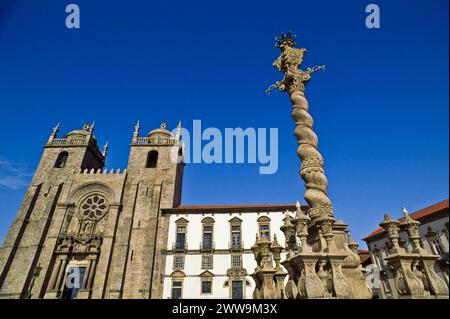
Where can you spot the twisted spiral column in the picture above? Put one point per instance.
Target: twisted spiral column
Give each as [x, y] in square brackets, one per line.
[311, 169]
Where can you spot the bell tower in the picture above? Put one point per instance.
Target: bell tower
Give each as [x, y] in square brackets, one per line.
[23, 246]
[154, 178]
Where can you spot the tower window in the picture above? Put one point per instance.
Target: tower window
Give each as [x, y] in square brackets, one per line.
[61, 160]
[152, 159]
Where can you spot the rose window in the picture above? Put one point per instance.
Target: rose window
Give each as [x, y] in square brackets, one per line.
[94, 207]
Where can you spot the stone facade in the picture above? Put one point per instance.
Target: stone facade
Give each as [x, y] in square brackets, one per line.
[209, 249]
[432, 236]
[107, 225]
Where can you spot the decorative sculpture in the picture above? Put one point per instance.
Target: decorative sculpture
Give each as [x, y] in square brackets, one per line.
[269, 279]
[413, 272]
[319, 261]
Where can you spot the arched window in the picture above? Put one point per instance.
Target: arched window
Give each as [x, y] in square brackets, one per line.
[61, 160]
[264, 227]
[152, 159]
[177, 284]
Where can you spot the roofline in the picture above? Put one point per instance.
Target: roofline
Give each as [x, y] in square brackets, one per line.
[419, 215]
[232, 208]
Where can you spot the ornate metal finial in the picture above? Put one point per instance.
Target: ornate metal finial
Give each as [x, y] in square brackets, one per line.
[288, 63]
[285, 39]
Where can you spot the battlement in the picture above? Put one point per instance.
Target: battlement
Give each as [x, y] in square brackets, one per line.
[68, 142]
[149, 141]
[101, 171]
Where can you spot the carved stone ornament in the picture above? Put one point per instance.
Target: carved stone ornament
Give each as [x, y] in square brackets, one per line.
[93, 208]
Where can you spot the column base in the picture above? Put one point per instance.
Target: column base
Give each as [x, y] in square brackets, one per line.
[53, 294]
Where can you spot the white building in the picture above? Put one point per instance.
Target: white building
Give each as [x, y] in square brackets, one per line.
[208, 251]
[434, 237]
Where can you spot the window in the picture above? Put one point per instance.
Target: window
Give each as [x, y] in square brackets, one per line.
[61, 160]
[181, 238]
[236, 237]
[74, 280]
[236, 261]
[206, 287]
[177, 289]
[435, 242]
[264, 232]
[207, 261]
[437, 247]
[207, 242]
[207, 237]
[264, 227]
[178, 262]
[152, 159]
[236, 289]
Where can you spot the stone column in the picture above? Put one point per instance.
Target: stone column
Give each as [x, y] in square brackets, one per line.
[60, 281]
[87, 274]
[55, 273]
[102, 261]
[91, 273]
[311, 170]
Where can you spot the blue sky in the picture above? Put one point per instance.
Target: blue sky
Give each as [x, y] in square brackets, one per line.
[380, 109]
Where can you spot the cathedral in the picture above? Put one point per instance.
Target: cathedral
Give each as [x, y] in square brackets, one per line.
[105, 225]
